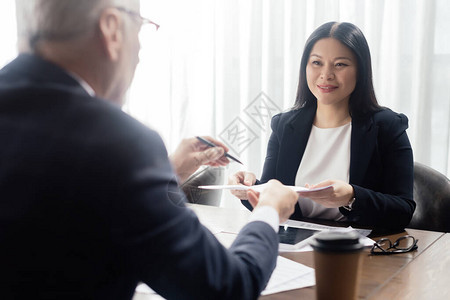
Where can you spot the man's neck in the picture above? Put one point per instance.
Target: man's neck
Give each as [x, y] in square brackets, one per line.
[76, 62]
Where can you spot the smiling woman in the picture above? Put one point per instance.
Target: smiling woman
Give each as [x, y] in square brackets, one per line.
[337, 135]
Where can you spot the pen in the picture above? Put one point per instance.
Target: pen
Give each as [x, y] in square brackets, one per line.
[206, 142]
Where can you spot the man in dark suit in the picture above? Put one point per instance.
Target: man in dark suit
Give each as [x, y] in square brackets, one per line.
[89, 201]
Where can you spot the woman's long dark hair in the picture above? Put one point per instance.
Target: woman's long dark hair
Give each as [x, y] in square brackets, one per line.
[362, 100]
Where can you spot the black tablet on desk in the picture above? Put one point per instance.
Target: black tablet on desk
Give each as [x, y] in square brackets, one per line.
[292, 238]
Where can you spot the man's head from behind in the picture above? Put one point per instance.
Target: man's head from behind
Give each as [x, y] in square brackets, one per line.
[94, 39]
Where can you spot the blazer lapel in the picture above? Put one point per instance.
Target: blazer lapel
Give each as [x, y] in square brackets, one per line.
[293, 144]
[363, 142]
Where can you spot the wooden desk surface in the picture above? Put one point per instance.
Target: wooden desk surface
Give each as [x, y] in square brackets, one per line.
[422, 274]
[426, 277]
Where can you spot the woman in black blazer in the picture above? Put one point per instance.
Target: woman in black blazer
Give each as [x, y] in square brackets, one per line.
[336, 128]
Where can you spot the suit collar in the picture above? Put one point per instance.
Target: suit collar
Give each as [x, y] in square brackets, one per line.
[363, 143]
[303, 117]
[36, 69]
[293, 143]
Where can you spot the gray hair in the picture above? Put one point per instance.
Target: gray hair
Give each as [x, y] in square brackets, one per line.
[59, 20]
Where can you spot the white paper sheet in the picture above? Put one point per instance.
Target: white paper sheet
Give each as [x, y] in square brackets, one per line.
[258, 187]
[289, 275]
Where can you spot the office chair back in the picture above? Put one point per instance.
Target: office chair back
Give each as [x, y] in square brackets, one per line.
[205, 176]
[432, 197]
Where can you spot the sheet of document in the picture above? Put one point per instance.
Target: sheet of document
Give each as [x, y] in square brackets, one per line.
[258, 187]
[289, 275]
[301, 224]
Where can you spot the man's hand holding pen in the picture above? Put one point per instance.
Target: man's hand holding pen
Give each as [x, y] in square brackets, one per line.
[192, 153]
[211, 144]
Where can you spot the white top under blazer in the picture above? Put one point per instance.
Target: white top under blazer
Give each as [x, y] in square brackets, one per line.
[327, 156]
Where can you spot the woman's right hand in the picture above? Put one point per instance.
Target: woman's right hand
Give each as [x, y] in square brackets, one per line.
[244, 178]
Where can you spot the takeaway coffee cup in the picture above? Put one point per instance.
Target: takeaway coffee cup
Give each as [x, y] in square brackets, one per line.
[337, 259]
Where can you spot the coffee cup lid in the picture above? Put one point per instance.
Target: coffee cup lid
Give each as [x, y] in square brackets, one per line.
[337, 241]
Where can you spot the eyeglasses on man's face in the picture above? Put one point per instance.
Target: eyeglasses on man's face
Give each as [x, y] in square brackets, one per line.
[141, 19]
[403, 244]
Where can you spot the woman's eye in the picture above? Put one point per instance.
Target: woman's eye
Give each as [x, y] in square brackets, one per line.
[341, 65]
[315, 62]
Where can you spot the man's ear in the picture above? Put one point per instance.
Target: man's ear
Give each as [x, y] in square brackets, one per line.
[110, 24]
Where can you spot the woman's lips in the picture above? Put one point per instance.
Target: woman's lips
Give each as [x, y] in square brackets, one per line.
[327, 88]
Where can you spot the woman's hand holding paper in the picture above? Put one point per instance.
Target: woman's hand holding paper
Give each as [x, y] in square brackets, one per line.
[244, 178]
[339, 195]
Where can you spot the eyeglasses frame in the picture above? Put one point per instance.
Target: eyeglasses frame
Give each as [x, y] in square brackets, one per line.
[137, 15]
[394, 245]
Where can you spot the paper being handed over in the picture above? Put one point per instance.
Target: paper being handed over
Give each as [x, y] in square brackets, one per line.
[259, 187]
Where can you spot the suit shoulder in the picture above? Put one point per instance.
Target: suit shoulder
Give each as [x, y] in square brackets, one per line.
[127, 127]
[388, 119]
[287, 115]
[390, 123]
[107, 129]
[283, 117]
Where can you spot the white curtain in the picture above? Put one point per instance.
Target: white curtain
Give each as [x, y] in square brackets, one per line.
[8, 49]
[224, 67]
